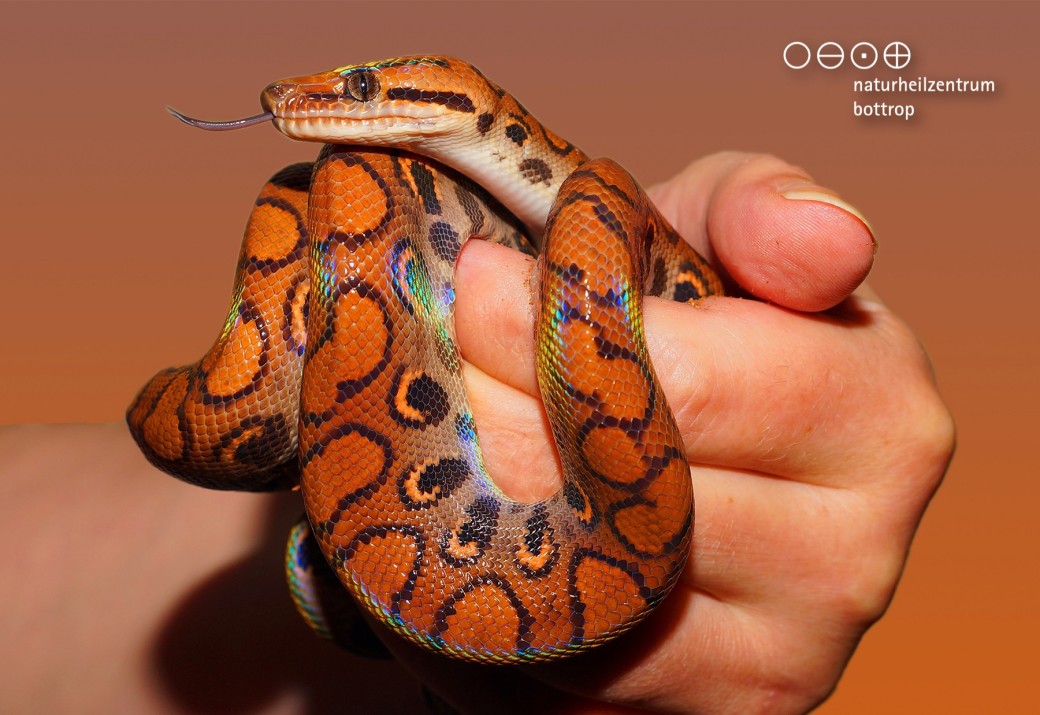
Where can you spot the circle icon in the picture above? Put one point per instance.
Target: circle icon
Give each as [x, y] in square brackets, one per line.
[897, 55]
[864, 55]
[830, 55]
[797, 55]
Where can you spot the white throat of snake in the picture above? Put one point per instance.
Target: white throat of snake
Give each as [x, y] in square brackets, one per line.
[476, 129]
[521, 179]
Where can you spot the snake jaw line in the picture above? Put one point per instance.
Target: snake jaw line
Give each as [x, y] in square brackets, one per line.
[375, 131]
[338, 123]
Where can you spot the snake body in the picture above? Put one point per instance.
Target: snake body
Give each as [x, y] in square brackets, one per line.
[337, 366]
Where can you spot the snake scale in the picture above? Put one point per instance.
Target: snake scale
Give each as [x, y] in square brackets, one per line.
[337, 367]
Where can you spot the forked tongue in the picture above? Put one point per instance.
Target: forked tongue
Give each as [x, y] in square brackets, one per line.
[221, 126]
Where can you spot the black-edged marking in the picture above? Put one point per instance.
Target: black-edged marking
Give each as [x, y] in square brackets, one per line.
[690, 283]
[561, 149]
[633, 427]
[256, 441]
[484, 122]
[296, 177]
[490, 85]
[574, 275]
[516, 134]
[525, 620]
[603, 213]
[417, 400]
[350, 158]
[580, 504]
[469, 539]
[610, 350]
[295, 312]
[247, 313]
[429, 482]
[426, 185]
[398, 162]
[445, 240]
[455, 101]
[410, 278]
[609, 219]
[471, 207]
[466, 430]
[634, 430]
[521, 119]
[363, 491]
[343, 555]
[667, 548]
[594, 175]
[406, 266]
[143, 409]
[537, 552]
[649, 238]
[536, 171]
[659, 278]
[578, 606]
[515, 236]
[347, 389]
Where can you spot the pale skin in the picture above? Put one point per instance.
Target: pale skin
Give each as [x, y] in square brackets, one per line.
[816, 439]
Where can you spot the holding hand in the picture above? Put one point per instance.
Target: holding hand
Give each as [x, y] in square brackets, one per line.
[817, 439]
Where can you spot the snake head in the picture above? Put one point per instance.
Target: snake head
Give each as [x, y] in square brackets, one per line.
[400, 102]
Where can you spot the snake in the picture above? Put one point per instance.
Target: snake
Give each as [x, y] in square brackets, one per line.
[337, 371]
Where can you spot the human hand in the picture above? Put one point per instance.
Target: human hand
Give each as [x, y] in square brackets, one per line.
[817, 439]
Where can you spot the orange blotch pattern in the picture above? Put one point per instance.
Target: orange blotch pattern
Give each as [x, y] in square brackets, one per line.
[383, 564]
[272, 231]
[162, 428]
[236, 363]
[609, 594]
[652, 527]
[611, 452]
[358, 342]
[357, 203]
[484, 619]
[346, 464]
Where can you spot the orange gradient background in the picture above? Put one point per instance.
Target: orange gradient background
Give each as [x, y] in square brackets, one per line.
[121, 227]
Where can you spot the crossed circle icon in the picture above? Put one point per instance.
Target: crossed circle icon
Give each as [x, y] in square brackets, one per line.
[897, 55]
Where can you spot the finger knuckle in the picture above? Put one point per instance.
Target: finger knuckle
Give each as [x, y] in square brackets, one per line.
[793, 682]
[928, 434]
[862, 596]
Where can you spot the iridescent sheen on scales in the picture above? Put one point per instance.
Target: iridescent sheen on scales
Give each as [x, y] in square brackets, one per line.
[338, 367]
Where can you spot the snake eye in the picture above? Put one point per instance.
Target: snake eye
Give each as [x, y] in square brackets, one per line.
[362, 85]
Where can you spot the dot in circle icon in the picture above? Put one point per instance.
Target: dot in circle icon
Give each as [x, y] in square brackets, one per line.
[830, 55]
[897, 55]
[864, 55]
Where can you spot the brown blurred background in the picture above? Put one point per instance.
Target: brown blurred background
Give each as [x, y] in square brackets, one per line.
[121, 228]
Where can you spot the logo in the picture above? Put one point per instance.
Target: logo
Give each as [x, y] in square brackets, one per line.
[831, 55]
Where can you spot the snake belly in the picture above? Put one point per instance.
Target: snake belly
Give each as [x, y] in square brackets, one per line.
[338, 366]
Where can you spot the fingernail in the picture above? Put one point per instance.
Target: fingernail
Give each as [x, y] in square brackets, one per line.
[805, 193]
